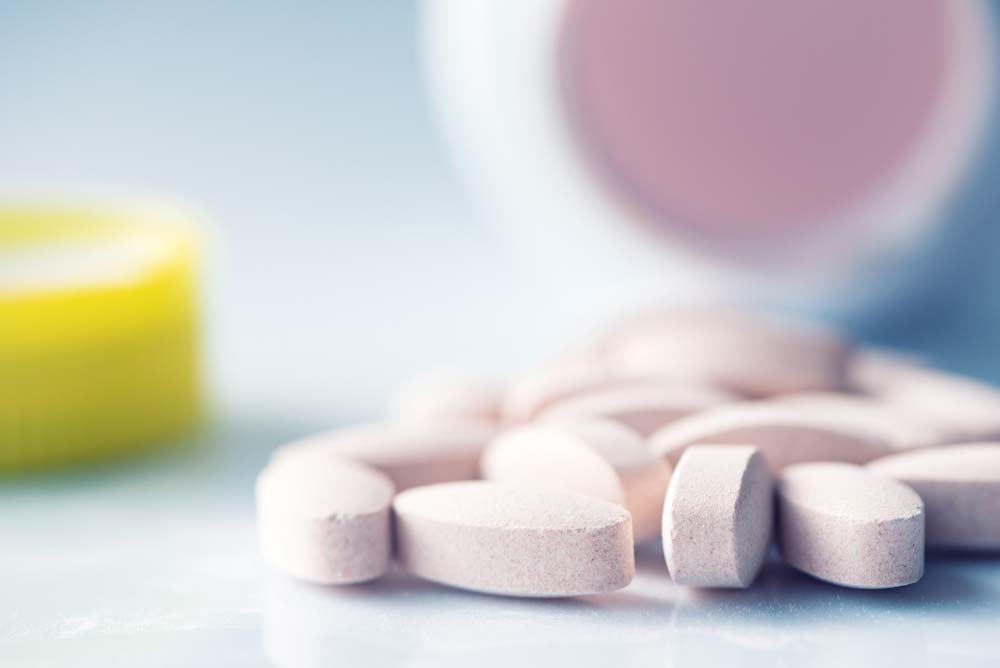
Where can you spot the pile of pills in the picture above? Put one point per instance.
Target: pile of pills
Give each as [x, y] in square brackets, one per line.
[717, 431]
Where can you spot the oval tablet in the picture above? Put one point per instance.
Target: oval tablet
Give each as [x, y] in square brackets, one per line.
[643, 408]
[598, 458]
[960, 487]
[518, 541]
[786, 434]
[849, 526]
[450, 397]
[900, 431]
[530, 394]
[750, 355]
[870, 370]
[411, 455]
[717, 517]
[324, 519]
[961, 409]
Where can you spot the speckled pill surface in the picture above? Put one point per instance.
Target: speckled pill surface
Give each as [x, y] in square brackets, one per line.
[594, 457]
[849, 526]
[717, 517]
[513, 540]
[324, 520]
[786, 434]
[960, 487]
[450, 397]
[410, 454]
[644, 408]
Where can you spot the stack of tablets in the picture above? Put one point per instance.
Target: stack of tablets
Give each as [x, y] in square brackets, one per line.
[717, 430]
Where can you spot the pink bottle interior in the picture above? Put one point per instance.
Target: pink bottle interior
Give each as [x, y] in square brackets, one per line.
[746, 121]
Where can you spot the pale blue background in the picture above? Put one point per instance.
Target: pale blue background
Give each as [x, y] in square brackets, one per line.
[306, 134]
[343, 256]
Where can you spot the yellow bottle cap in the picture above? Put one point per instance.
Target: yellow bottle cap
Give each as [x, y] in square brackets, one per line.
[98, 331]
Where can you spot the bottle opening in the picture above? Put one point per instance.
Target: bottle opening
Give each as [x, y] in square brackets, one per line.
[746, 123]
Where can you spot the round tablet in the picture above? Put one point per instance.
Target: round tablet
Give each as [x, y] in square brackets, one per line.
[514, 540]
[717, 516]
[643, 408]
[450, 397]
[324, 519]
[786, 434]
[849, 526]
[597, 457]
[960, 487]
[410, 454]
[750, 355]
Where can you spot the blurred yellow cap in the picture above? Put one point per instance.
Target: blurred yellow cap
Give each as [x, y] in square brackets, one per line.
[98, 331]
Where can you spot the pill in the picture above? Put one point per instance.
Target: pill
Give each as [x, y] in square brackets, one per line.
[514, 540]
[901, 431]
[644, 408]
[960, 487]
[410, 454]
[595, 344]
[655, 319]
[448, 396]
[786, 434]
[325, 520]
[870, 370]
[847, 525]
[597, 457]
[750, 355]
[961, 409]
[586, 351]
[717, 516]
[532, 393]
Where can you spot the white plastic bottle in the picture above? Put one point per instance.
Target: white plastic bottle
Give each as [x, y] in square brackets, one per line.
[822, 155]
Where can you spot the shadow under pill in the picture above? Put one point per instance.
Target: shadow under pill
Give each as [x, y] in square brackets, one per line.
[783, 592]
[311, 625]
[940, 554]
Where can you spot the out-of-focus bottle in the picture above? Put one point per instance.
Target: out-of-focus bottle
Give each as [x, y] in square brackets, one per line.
[828, 155]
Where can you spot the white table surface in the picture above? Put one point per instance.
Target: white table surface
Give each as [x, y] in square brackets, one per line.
[345, 258]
